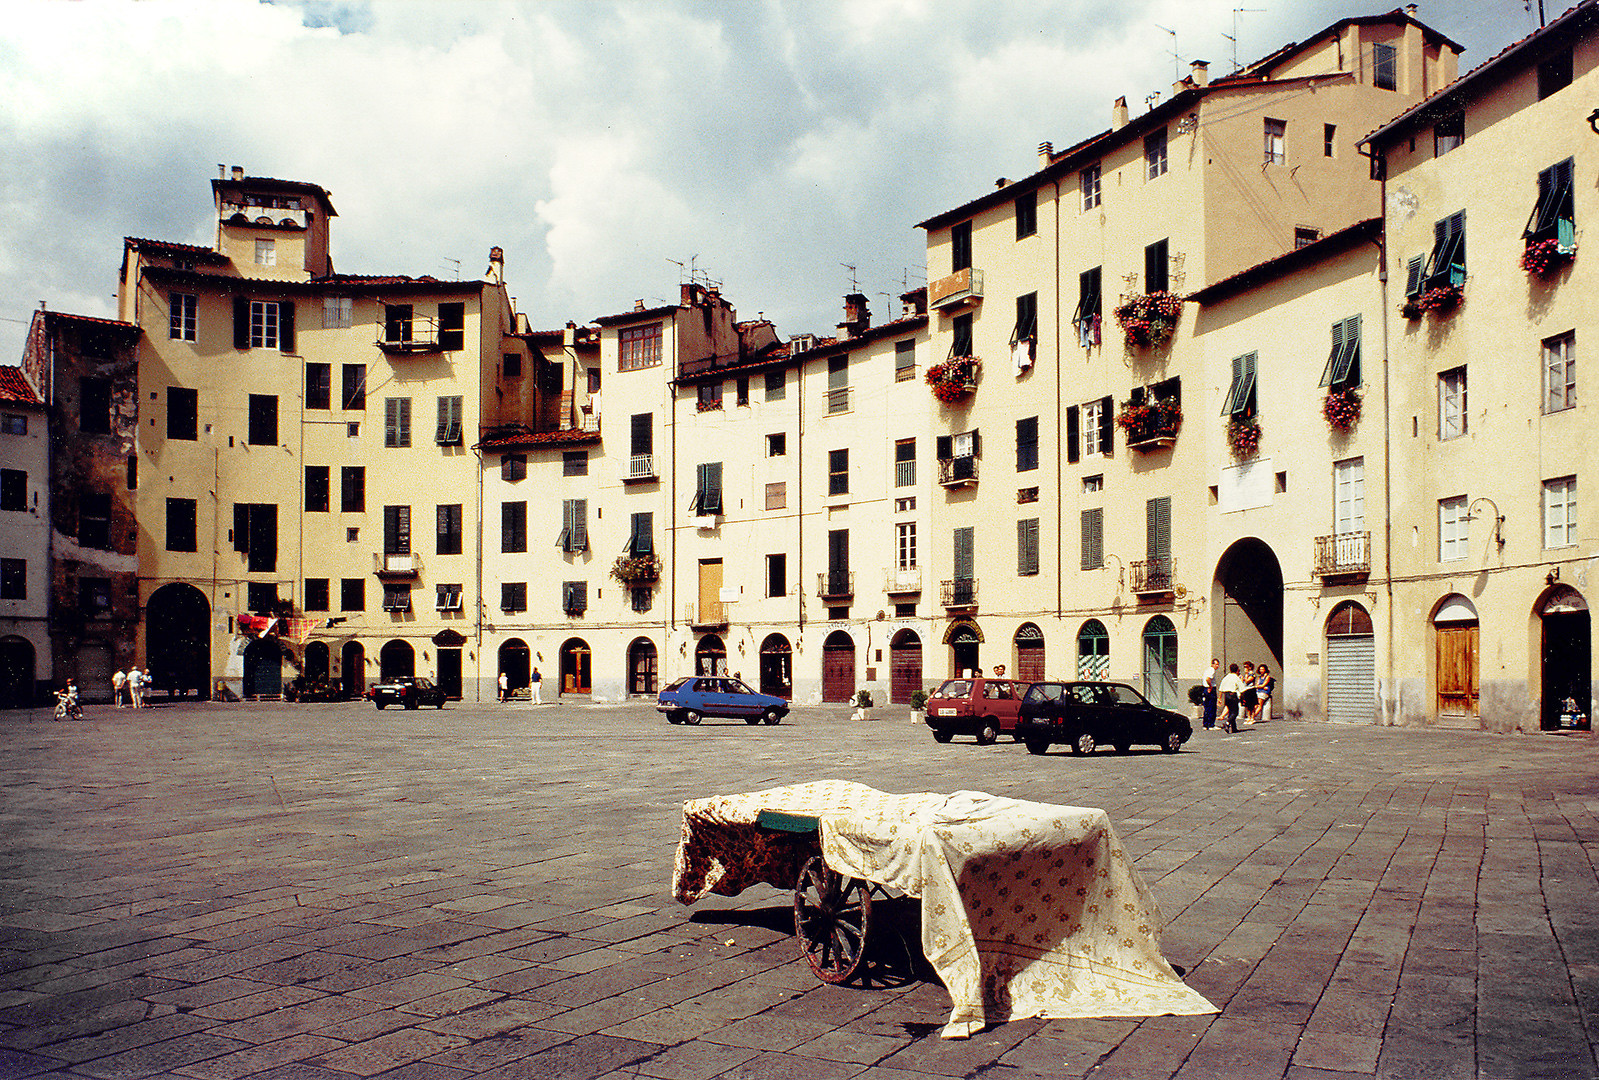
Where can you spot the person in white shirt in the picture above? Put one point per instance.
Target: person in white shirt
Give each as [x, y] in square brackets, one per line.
[136, 687]
[1231, 687]
[1212, 673]
[119, 681]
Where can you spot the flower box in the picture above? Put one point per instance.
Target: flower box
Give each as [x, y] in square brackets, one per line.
[1542, 258]
[1148, 320]
[636, 569]
[1341, 409]
[955, 378]
[1243, 437]
[1441, 299]
[1150, 425]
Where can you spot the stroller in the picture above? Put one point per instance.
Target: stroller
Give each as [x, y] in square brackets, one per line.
[67, 707]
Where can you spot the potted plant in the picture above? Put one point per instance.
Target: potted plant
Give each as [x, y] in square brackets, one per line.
[1243, 436]
[1544, 257]
[636, 569]
[863, 702]
[1148, 319]
[954, 378]
[1441, 299]
[1341, 408]
[1150, 421]
[918, 706]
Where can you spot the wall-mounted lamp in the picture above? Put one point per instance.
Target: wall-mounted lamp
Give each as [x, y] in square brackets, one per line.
[1499, 519]
[1593, 121]
[1552, 576]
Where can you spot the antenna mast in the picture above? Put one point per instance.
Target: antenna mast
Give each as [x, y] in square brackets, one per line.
[1233, 37]
[1176, 60]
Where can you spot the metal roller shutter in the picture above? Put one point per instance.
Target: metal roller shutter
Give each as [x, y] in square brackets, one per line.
[1351, 680]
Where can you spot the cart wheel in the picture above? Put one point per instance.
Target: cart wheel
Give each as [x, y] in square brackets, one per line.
[833, 919]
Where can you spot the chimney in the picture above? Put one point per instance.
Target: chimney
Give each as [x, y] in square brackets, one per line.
[1410, 9]
[238, 172]
[693, 295]
[857, 316]
[1118, 114]
[496, 271]
[1199, 71]
[222, 171]
[638, 305]
[1001, 182]
[1046, 150]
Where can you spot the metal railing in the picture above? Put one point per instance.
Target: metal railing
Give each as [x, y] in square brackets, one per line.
[1343, 553]
[835, 583]
[640, 467]
[838, 400]
[906, 580]
[957, 470]
[1153, 575]
[397, 563]
[958, 593]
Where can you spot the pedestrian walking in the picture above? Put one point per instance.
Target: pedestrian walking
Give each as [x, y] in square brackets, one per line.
[119, 683]
[1212, 673]
[1231, 687]
[1264, 685]
[536, 688]
[505, 686]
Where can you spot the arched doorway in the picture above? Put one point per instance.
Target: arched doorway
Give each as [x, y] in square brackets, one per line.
[1093, 651]
[838, 667]
[643, 667]
[16, 672]
[1455, 668]
[352, 664]
[449, 643]
[177, 639]
[904, 666]
[317, 659]
[1160, 662]
[1247, 604]
[263, 668]
[1351, 665]
[1566, 666]
[963, 638]
[1029, 653]
[710, 656]
[396, 658]
[516, 661]
[777, 666]
[576, 674]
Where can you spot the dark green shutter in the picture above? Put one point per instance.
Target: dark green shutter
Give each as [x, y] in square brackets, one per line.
[286, 326]
[1073, 441]
[241, 322]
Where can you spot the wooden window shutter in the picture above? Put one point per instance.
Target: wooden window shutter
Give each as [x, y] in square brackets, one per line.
[286, 326]
[1074, 451]
[241, 322]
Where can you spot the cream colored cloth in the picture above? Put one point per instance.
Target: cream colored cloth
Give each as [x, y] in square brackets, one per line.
[1028, 909]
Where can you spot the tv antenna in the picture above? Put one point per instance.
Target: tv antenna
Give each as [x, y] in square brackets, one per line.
[1176, 60]
[1233, 37]
[854, 278]
[457, 263]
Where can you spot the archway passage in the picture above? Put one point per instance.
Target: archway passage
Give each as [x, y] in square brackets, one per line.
[1029, 653]
[449, 644]
[397, 658]
[1160, 662]
[710, 656]
[904, 666]
[263, 668]
[963, 639]
[177, 639]
[643, 665]
[317, 659]
[1247, 599]
[1455, 631]
[576, 667]
[838, 667]
[1351, 665]
[352, 661]
[1566, 660]
[516, 661]
[777, 666]
[1093, 651]
[16, 672]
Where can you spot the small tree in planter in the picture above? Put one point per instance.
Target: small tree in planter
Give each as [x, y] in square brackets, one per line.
[1341, 408]
[863, 702]
[918, 706]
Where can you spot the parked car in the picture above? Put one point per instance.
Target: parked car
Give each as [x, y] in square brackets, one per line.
[1085, 715]
[407, 691]
[986, 708]
[687, 700]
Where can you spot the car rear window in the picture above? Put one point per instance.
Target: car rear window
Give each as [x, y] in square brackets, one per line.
[1044, 691]
[678, 685]
[954, 688]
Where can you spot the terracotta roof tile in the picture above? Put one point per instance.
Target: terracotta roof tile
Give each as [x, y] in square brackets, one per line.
[524, 439]
[14, 387]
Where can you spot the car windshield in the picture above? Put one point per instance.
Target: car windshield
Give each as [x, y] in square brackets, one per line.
[954, 688]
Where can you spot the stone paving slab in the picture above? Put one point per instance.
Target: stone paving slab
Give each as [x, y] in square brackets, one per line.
[270, 892]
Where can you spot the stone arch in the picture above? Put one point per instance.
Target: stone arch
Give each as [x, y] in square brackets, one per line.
[904, 666]
[1455, 661]
[777, 667]
[643, 667]
[352, 669]
[577, 667]
[1351, 665]
[1160, 662]
[177, 639]
[1093, 651]
[838, 667]
[710, 656]
[1247, 603]
[1029, 643]
[395, 659]
[515, 659]
[1565, 659]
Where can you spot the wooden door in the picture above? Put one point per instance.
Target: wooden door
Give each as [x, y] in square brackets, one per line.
[904, 671]
[1457, 670]
[710, 601]
[838, 670]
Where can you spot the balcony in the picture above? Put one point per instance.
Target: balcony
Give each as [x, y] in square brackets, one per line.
[1343, 555]
[835, 584]
[903, 581]
[640, 467]
[396, 565]
[708, 616]
[961, 287]
[1153, 577]
[403, 336]
[957, 471]
[838, 400]
[959, 593]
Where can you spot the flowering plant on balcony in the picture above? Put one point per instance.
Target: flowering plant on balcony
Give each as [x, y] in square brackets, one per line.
[1149, 319]
[633, 569]
[1411, 308]
[954, 378]
[1341, 408]
[1144, 420]
[1441, 298]
[1544, 257]
[710, 405]
[1243, 436]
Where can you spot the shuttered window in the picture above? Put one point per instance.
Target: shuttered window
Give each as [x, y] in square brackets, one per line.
[1157, 540]
[352, 489]
[396, 530]
[452, 327]
[263, 420]
[1027, 546]
[1157, 277]
[1343, 362]
[513, 467]
[1240, 401]
[448, 534]
[643, 434]
[354, 389]
[1554, 215]
[317, 495]
[397, 421]
[963, 547]
[574, 525]
[1027, 444]
[449, 430]
[318, 386]
[1093, 538]
[708, 489]
[513, 526]
[1447, 263]
[574, 597]
[641, 538]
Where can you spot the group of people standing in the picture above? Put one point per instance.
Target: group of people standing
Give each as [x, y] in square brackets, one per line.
[129, 687]
[1248, 691]
[535, 687]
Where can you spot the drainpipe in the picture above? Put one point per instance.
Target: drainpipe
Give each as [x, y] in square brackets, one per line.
[1060, 513]
[1391, 705]
[477, 615]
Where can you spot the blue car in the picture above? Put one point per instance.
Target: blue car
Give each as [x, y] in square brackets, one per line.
[687, 700]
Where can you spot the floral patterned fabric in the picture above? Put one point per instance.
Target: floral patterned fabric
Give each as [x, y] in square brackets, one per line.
[1028, 909]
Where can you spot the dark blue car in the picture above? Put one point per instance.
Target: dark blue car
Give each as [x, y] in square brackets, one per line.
[687, 700]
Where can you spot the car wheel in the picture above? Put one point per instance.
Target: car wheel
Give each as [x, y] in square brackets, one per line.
[942, 735]
[691, 716]
[379, 704]
[674, 718]
[772, 717]
[1173, 743]
[1083, 744]
[1036, 746]
[988, 734]
[1123, 747]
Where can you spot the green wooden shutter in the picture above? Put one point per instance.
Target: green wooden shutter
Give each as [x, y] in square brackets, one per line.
[1027, 546]
[963, 554]
[1157, 522]
[286, 326]
[1074, 451]
[1093, 539]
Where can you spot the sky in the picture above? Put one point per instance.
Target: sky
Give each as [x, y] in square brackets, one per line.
[783, 149]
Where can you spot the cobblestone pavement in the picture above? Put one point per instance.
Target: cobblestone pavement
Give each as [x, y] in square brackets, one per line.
[328, 891]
